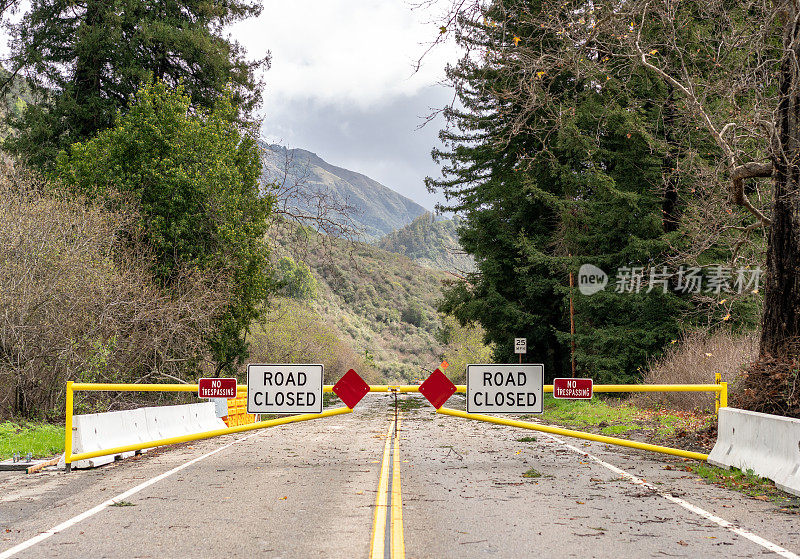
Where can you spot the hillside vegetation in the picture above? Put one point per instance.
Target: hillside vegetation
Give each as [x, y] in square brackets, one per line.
[380, 304]
[135, 214]
[430, 242]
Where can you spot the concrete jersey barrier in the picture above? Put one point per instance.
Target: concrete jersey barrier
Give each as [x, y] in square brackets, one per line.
[97, 431]
[769, 445]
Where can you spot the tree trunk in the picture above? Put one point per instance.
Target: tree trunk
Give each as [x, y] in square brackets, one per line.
[670, 209]
[87, 82]
[780, 335]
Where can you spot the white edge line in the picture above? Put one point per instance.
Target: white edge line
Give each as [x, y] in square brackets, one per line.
[92, 511]
[775, 548]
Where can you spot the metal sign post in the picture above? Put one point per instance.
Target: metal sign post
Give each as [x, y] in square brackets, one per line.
[520, 347]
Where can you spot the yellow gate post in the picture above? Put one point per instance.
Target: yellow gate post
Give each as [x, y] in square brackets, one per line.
[68, 430]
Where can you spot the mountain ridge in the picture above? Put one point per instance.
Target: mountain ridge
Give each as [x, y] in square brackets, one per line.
[374, 209]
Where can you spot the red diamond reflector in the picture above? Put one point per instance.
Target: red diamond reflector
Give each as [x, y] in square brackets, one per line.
[437, 388]
[351, 388]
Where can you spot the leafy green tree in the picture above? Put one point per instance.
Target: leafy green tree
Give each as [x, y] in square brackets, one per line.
[87, 59]
[195, 179]
[463, 345]
[295, 279]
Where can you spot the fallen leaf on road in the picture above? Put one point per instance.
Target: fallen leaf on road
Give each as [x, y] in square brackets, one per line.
[284, 498]
[682, 543]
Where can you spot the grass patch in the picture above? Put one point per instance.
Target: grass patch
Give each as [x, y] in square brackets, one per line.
[586, 412]
[619, 429]
[526, 440]
[123, 504]
[614, 417]
[41, 440]
[329, 399]
[532, 473]
[745, 482]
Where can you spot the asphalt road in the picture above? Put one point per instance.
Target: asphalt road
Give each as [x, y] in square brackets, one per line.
[451, 488]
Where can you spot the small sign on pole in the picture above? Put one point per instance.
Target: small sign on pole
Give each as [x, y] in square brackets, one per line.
[216, 388]
[520, 347]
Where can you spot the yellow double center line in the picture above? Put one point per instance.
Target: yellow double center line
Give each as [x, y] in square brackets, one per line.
[389, 502]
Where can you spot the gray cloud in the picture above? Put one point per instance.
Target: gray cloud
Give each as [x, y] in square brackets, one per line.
[381, 141]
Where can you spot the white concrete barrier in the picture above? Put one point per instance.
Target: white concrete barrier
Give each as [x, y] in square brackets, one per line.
[89, 430]
[205, 417]
[169, 421]
[97, 431]
[769, 445]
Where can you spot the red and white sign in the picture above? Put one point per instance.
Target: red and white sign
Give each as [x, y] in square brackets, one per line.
[216, 388]
[572, 388]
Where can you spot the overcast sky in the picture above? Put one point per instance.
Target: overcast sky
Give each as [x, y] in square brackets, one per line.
[342, 84]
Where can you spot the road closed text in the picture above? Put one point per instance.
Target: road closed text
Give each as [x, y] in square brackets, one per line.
[284, 388]
[504, 388]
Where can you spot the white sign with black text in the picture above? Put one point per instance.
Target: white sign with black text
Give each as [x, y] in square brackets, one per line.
[504, 388]
[521, 345]
[284, 388]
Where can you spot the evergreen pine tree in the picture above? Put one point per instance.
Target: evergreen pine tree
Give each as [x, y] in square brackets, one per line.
[87, 59]
[574, 180]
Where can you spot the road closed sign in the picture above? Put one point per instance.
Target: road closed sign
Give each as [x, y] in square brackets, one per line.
[284, 388]
[504, 388]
